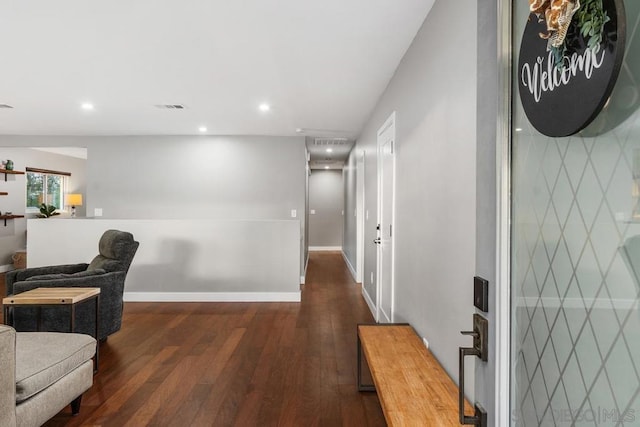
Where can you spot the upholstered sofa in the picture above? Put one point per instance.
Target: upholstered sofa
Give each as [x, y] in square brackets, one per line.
[41, 373]
[106, 271]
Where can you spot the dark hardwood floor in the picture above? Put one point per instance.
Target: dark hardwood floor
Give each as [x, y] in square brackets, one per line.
[237, 364]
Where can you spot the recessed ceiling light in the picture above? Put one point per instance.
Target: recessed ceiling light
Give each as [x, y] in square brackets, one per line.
[87, 106]
[326, 167]
[202, 129]
[329, 150]
[264, 107]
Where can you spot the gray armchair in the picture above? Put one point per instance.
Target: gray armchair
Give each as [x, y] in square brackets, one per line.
[107, 271]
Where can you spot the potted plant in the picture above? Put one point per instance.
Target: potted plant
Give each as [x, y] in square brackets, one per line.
[47, 211]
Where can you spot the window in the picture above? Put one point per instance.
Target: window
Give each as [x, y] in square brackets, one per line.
[45, 186]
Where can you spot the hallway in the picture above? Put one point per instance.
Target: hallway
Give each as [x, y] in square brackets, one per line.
[242, 364]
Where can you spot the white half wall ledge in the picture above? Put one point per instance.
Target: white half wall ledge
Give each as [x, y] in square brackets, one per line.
[229, 260]
[324, 248]
[212, 296]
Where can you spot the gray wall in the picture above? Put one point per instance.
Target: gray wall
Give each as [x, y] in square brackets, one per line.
[434, 95]
[305, 234]
[13, 236]
[187, 177]
[183, 177]
[326, 199]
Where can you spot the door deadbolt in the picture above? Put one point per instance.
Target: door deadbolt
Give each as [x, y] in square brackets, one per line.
[480, 336]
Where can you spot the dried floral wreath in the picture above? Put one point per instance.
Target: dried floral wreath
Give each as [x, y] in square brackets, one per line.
[559, 15]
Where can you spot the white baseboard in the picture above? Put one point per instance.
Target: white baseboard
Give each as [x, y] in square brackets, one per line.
[6, 267]
[369, 301]
[212, 297]
[304, 274]
[325, 248]
[350, 267]
[385, 317]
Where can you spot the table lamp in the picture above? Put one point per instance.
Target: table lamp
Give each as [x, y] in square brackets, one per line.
[73, 200]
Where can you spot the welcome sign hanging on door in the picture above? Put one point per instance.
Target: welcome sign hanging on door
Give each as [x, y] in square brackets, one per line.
[570, 57]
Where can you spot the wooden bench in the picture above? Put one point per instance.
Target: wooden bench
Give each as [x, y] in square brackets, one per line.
[413, 388]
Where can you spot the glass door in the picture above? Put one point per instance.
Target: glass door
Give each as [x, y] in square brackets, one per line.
[575, 258]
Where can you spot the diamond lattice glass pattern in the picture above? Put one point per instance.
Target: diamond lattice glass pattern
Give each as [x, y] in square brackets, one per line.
[575, 271]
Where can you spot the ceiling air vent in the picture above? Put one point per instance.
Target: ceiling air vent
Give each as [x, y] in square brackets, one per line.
[5, 106]
[171, 106]
[324, 142]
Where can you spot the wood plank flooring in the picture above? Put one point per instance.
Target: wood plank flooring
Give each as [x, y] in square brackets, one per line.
[237, 364]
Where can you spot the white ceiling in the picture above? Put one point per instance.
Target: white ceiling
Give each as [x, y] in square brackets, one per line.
[321, 64]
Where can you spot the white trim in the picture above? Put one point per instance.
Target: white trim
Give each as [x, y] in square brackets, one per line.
[303, 278]
[369, 301]
[502, 396]
[384, 317]
[212, 296]
[325, 248]
[6, 267]
[360, 215]
[390, 125]
[350, 267]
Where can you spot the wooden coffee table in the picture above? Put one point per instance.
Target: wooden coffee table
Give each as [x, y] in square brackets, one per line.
[48, 297]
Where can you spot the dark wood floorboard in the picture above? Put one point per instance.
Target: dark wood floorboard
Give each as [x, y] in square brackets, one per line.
[237, 364]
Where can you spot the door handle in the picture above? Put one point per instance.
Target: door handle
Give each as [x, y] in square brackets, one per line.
[377, 241]
[480, 350]
[480, 416]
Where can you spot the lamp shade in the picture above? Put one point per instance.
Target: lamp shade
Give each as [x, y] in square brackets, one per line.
[73, 199]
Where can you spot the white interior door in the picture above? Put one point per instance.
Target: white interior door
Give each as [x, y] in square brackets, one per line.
[386, 165]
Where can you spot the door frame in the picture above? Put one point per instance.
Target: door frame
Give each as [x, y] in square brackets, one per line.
[503, 229]
[390, 122]
[360, 215]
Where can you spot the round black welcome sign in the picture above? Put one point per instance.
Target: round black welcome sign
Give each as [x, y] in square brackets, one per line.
[564, 84]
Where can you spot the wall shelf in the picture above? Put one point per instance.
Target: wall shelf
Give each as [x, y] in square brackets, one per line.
[7, 217]
[11, 172]
[4, 193]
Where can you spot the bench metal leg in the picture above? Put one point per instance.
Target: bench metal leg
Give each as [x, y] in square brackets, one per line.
[96, 358]
[362, 387]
